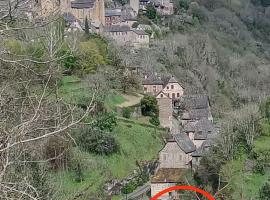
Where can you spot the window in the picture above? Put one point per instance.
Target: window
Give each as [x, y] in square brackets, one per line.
[161, 95]
[173, 95]
[172, 86]
[164, 156]
[209, 132]
[178, 95]
[180, 157]
[168, 87]
[200, 132]
[155, 88]
[168, 94]
[145, 88]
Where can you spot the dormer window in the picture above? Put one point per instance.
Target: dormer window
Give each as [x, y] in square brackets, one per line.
[168, 87]
[172, 87]
[161, 95]
[200, 132]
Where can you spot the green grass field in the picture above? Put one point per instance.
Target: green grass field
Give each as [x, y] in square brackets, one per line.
[137, 143]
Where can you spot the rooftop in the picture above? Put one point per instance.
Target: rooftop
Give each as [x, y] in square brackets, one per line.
[80, 4]
[113, 12]
[184, 142]
[195, 101]
[168, 175]
[117, 28]
[140, 32]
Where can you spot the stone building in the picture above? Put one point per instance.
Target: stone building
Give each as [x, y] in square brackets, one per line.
[153, 84]
[81, 9]
[174, 160]
[119, 16]
[165, 178]
[163, 7]
[165, 110]
[124, 35]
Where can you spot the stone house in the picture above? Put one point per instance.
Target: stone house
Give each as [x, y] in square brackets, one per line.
[166, 90]
[124, 35]
[92, 9]
[165, 110]
[174, 160]
[171, 87]
[119, 16]
[177, 152]
[165, 178]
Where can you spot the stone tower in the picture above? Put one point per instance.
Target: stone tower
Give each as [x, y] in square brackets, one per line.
[135, 4]
[100, 11]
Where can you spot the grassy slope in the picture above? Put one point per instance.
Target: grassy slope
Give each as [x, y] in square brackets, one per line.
[137, 143]
[72, 90]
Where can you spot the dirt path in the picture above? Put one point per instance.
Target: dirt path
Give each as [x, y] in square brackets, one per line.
[131, 100]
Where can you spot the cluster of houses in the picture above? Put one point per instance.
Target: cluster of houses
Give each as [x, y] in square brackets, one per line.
[189, 119]
[115, 23]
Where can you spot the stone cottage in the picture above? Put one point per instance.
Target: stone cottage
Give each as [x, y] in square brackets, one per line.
[174, 160]
[126, 36]
[153, 84]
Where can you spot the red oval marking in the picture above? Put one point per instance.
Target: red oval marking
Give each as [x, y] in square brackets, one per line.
[183, 187]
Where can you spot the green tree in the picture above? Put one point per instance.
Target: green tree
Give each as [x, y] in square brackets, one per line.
[97, 141]
[106, 121]
[265, 192]
[90, 56]
[86, 27]
[151, 12]
[149, 106]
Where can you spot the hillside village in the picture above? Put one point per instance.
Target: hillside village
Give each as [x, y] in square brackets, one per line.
[117, 23]
[84, 79]
[190, 122]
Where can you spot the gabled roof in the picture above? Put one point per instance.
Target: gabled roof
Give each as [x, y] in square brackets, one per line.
[172, 80]
[153, 80]
[117, 28]
[139, 32]
[202, 129]
[113, 12]
[195, 101]
[80, 4]
[196, 114]
[184, 142]
[163, 94]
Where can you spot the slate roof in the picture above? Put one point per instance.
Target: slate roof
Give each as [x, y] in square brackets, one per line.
[168, 175]
[117, 28]
[196, 114]
[202, 129]
[199, 152]
[195, 101]
[80, 4]
[140, 32]
[153, 80]
[113, 12]
[172, 80]
[184, 142]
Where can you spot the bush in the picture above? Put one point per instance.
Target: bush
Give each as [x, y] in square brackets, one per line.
[151, 12]
[149, 106]
[265, 192]
[155, 121]
[127, 112]
[96, 141]
[106, 122]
